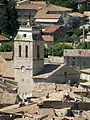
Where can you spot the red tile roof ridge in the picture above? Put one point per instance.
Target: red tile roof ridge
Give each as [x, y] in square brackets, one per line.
[3, 38]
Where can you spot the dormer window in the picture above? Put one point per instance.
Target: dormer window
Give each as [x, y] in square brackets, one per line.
[24, 35]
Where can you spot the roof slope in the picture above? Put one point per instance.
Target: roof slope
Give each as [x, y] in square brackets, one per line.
[42, 13]
[6, 68]
[52, 28]
[50, 69]
[3, 38]
[76, 14]
[7, 55]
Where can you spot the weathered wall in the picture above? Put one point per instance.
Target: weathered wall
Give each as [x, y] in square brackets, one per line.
[80, 62]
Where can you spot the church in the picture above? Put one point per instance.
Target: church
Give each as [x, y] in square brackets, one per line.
[28, 64]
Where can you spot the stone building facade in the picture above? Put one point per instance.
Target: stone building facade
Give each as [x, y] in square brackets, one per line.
[28, 58]
[77, 58]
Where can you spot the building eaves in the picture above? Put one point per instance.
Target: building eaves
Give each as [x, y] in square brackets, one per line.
[52, 28]
[47, 38]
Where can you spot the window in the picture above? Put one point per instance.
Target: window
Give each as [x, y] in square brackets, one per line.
[26, 51]
[73, 63]
[38, 50]
[73, 57]
[19, 50]
[67, 57]
[24, 35]
[65, 74]
[67, 61]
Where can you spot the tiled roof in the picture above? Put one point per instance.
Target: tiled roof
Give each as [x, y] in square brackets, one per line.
[47, 38]
[43, 12]
[28, 6]
[87, 13]
[53, 16]
[38, 2]
[48, 70]
[3, 38]
[33, 5]
[6, 68]
[76, 14]
[52, 28]
[7, 55]
[29, 109]
[77, 53]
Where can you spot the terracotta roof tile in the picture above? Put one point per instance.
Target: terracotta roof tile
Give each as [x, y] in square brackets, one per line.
[52, 28]
[76, 14]
[87, 13]
[43, 12]
[3, 38]
[7, 55]
[34, 5]
[6, 68]
[47, 38]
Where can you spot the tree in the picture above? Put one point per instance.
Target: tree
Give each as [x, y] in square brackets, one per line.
[64, 3]
[84, 8]
[45, 52]
[8, 17]
[57, 49]
[85, 45]
[7, 47]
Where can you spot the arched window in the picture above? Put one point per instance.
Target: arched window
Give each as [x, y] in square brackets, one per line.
[38, 51]
[26, 51]
[19, 50]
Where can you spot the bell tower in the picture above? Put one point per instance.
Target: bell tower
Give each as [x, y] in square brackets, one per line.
[28, 58]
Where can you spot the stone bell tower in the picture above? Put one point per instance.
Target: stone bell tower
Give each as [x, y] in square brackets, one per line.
[28, 58]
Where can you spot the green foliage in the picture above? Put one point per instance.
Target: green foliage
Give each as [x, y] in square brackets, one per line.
[66, 39]
[84, 8]
[64, 3]
[8, 18]
[45, 52]
[85, 45]
[78, 31]
[57, 49]
[7, 47]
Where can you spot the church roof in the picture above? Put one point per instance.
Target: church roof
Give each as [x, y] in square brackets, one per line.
[48, 70]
